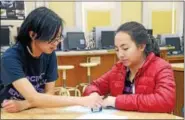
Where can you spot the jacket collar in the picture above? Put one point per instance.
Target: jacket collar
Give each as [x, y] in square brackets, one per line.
[147, 62]
[120, 67]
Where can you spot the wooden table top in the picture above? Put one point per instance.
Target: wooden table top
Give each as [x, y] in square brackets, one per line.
[178, 66]
[81, 53]
[59, 113]
[91, 52]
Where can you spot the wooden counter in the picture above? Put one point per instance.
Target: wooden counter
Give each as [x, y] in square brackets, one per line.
[81, 53]
[179, 80]
[93, 52]
[59, 113]
[163, 54]
[175, 58]
[178, 66]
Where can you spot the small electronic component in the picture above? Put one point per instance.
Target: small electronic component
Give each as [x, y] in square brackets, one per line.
[97, 109]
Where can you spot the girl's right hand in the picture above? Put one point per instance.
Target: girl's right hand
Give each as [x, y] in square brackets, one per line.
[94, 100]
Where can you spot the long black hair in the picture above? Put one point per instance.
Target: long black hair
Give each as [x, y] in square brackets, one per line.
[139, 35]
[42, 21]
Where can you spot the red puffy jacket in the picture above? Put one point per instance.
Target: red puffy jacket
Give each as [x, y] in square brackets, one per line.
[154, 86]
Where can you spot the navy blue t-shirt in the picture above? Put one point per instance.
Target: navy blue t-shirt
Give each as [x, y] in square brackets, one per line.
[17, 63]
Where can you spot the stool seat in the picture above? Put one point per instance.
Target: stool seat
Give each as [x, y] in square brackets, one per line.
[88, 64]
[65, 67]
[62, 91]
[70, 88]
[83, 84]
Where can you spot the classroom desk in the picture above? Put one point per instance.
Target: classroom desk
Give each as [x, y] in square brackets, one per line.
[59, 113]
[178, 69]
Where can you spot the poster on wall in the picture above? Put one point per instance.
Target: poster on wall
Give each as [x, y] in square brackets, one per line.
[12, 10]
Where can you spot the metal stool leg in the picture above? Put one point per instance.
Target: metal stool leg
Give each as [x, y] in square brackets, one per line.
[77, 92]
[64, 78]
[89, 75]
[64, 92]
[67, 93]
[87, 65]
[84, 88]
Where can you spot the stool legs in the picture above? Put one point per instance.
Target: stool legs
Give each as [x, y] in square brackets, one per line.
[77, 92]
[88, 78]
[62, 91]
[65, 91]
[89, 75]
[84, 86]
[64, 78]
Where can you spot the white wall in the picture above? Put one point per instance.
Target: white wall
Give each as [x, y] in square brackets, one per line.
[179, 18]
[115, 8]
[78, 15]
[148, 7]
[98, 5]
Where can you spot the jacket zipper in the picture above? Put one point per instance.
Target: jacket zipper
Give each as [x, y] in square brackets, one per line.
[135, 81]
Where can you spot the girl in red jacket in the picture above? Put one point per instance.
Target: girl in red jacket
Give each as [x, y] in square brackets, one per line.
[140, 80]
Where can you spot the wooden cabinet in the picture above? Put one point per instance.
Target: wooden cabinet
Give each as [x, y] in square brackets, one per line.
[179, 80]
[175, 58]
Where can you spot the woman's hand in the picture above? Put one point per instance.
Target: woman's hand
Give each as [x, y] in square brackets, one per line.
[109, 101]
[94, 100]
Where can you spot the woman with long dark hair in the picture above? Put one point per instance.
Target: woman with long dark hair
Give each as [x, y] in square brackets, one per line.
[141, 80]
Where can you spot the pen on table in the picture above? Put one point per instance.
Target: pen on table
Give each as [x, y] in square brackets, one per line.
[105, 96]
[107, 107]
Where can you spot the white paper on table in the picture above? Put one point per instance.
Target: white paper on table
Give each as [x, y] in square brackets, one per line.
[101, 116]
[86, 110]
